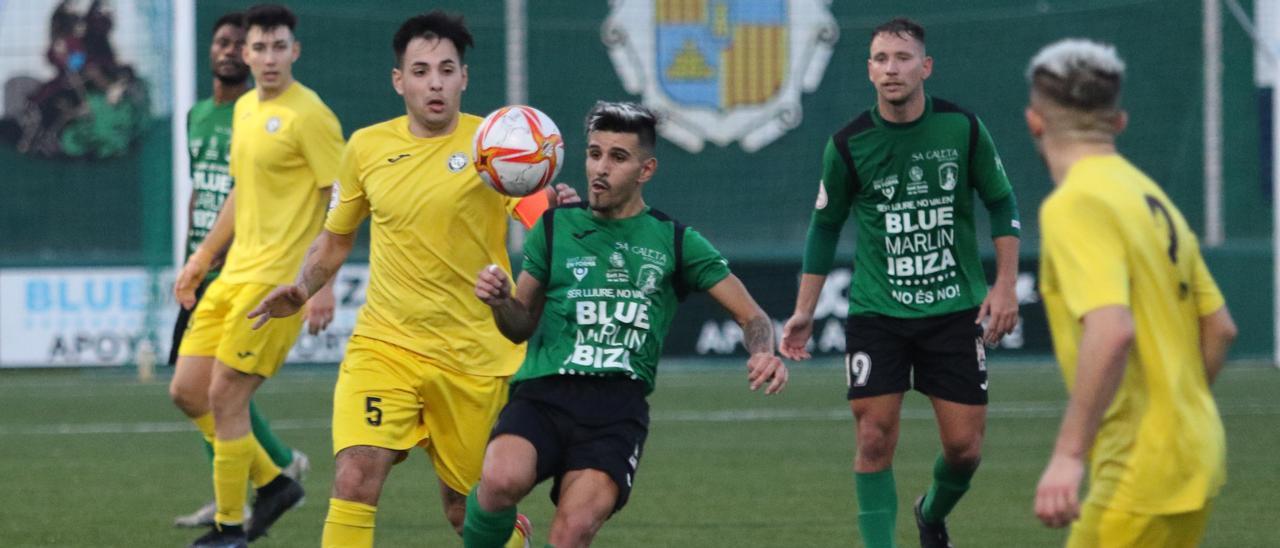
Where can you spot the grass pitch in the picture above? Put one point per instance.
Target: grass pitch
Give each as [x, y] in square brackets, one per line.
[93, 458]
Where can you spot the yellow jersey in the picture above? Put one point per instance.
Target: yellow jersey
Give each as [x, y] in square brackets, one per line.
[283, 153]
[1110, 236]
[434, 226]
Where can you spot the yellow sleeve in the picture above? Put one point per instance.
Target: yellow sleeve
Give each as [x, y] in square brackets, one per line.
[231, 150]
[349, 205]
[321, 144]
[1208, 297]
[1081, 233]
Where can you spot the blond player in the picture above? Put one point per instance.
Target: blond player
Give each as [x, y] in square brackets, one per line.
[285, 146]
[426, 366]
[1139, 326]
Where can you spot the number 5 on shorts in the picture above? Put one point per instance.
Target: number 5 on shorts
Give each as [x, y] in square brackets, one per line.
[373, 415]
[857, 367]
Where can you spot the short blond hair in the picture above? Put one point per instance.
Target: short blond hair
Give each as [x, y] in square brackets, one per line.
[1081, 81]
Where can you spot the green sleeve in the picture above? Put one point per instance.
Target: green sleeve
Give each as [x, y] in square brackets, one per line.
[704, 267]
[535, 253]
[835, 198]
[191, 162]
[992, 184]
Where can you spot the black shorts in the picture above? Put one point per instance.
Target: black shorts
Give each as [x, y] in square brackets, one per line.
[941, 356]
[184, 319]
[579, 423]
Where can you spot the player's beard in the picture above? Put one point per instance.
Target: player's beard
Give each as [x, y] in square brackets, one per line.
[234, 79]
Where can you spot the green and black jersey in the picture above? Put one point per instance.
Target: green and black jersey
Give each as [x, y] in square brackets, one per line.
[910, 188]
[209, 146]
[612, 287]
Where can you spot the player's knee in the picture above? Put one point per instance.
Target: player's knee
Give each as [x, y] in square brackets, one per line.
[963, 454]
[355, 483]
[575, 528]
[875, 443]
[500, 490]
[193, 402]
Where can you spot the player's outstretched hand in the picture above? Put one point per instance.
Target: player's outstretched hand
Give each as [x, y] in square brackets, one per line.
[493, 286]
[762, 368]
[320, 309]
[1001, 307]
[1057, 503]
[795, 337]
[282, 302]
[563, 194]
[192, 274]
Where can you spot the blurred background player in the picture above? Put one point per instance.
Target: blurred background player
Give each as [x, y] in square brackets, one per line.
[1139, 326]
[209, 144]
[906, 170]
[285, 146]
[578, 410]
[425, 365]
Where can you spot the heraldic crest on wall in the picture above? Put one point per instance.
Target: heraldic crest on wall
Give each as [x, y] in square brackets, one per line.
[721, 70]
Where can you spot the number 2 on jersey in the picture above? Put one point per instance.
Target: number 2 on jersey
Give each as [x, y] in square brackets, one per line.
[1157, 207]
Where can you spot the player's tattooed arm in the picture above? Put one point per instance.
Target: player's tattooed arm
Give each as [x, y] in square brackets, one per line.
[764, 368]
[324, 257]
[757, 334]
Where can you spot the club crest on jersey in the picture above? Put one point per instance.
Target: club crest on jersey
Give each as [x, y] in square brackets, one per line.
[273, 124]
[886, 185]
[648, 278]
[617, 272]
[948, 175]
[579, 266]
[457, 161]
[722, 71]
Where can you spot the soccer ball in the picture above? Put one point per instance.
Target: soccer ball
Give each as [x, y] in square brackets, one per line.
[518, 150]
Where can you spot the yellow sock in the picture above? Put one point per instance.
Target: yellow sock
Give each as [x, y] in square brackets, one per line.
[231, 461]
[262, 470]
[518, 538]
[205, 424]
[349, 524]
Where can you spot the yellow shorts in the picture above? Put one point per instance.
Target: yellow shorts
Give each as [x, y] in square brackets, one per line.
[388, 396]
[1100, 527]
[219, 328]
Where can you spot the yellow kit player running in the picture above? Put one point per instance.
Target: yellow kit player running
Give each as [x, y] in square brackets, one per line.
[1139, 326]
[425, 366]
[285, 146]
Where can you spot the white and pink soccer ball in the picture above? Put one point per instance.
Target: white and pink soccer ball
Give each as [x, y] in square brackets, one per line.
[518, 150]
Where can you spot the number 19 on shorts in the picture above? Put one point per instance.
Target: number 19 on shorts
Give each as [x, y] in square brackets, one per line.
[857, 367]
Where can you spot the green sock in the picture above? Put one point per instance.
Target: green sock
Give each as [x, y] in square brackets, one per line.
[281, 454]
[481, 529]
[877, 507]
[949, 484]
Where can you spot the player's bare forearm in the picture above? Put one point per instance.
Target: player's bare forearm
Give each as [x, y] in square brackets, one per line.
[514, 320]
[1006, 261]
[324, 257]
[515, 315]
[1217, 332]
[807, 295]
[1104, 349]
[757, 334]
